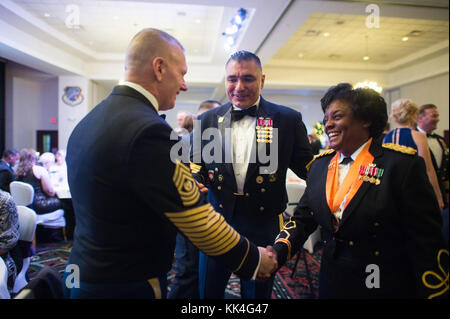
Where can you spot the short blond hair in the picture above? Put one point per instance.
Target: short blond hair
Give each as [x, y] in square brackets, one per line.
[404, 111]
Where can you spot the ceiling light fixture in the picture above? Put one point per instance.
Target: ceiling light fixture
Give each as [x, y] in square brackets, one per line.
[367, 84]
[404, 39]
[46, 14]
[232, 31]
[326, 34]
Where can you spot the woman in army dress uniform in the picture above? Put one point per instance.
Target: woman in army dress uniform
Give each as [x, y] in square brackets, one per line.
[376, 206]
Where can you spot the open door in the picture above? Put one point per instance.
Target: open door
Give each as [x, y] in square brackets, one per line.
[47, 141]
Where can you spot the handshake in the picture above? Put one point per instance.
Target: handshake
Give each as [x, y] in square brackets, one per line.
[268, 264]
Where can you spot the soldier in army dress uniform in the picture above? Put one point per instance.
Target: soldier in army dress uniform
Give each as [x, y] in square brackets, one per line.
[376, 206]
[130, 198]
[247, 190]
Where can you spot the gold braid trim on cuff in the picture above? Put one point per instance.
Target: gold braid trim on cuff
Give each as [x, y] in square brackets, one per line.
[288, 243]
[245, 256]
[441, 279]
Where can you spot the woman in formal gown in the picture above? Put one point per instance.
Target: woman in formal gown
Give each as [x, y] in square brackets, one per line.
[45, 200]
[404, 115]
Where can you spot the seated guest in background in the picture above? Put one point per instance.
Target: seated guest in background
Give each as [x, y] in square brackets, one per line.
[376, 207]
[427, 121]
[58, 172]
[8, 161]
[45, 200]
[180, 120]
[9, 234]
[404, 114]
[47, 160]
[187, 124]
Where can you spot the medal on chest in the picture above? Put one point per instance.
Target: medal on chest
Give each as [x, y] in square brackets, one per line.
[264, 130]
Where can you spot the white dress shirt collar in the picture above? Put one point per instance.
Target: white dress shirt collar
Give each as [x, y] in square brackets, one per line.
[422, 131]
[354, 155]
[256, 103]
[143, 91]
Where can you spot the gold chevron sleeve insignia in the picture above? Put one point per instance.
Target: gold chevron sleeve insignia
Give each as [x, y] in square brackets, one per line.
[206, 229]
[185, 185]
[400, 148]
[195, 168]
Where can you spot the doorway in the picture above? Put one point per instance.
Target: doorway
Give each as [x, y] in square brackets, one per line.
[47, 141]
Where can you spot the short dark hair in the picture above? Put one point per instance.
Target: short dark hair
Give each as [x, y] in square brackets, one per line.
[367, 105]
[7, 153]
[425, 107]
[240, 56]
[208, 104]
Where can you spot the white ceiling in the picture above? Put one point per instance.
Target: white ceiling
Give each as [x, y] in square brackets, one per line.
[286, 34]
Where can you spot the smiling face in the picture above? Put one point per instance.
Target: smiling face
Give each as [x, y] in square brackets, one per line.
[345, 132]
[244, 82]
[428, 121]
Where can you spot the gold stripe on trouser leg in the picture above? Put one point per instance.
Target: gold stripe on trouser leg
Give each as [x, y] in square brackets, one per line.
[154, 282]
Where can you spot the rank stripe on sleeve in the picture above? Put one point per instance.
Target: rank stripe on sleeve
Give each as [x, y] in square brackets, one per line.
[194, 167]
[206, 229]
[185, 184]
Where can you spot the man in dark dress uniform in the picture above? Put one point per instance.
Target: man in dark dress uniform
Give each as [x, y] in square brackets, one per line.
[131, 197]
[247, 187]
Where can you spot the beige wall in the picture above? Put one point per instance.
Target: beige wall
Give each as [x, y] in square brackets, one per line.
[432, 90]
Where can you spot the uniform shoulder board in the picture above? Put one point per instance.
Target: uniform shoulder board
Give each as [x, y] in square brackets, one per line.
[324, 153]
[400, 148]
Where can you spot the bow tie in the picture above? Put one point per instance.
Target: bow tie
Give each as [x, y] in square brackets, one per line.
[238, 115]
[347, 160]
[163, 116]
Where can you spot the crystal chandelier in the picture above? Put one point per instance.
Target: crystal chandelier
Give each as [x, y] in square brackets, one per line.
[369, 85]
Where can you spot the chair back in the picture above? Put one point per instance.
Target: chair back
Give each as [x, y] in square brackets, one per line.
[295, 191]
[27, 223]
[53, 219]
[22, 193]
[4, 293]
[46, 285]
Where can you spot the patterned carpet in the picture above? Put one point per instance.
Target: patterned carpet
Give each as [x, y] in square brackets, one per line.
[55, 255]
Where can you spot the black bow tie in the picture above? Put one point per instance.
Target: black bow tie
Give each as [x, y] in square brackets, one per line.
[238, 115]
[346, 160]
[163, 116]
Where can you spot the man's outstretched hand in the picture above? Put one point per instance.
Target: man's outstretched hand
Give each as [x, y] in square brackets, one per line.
[268, 263]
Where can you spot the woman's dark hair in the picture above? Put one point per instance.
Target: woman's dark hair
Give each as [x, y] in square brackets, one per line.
[367, 105]
[28, 158]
